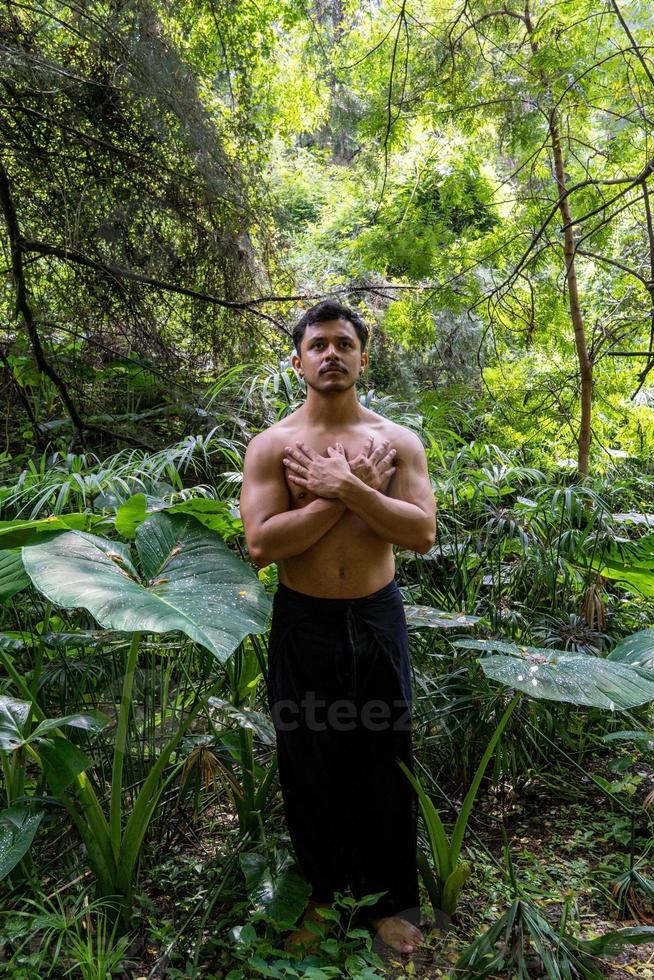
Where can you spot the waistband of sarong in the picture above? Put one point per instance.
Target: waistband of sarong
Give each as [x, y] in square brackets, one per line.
[327, 606]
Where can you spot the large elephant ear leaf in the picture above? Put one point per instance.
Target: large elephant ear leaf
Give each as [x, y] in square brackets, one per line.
[419, 617]
[192, 572]
[78, 569]
[194, 583]
[636, 650]
[556, 675]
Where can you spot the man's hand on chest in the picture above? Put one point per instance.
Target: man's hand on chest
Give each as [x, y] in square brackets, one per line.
[326, 475]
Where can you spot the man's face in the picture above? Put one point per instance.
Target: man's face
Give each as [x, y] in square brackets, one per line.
[330, 357]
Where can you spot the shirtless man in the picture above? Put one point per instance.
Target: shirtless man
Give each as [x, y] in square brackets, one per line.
[327, 492]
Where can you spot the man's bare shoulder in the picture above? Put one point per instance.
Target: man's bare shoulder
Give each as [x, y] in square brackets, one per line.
[402, 439]
[274, 438]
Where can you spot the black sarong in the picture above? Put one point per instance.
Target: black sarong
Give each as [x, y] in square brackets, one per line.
[339, 689]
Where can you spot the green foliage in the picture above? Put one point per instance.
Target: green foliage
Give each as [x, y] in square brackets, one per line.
[561, 676]
[86, 570]
[277, 891]
[51, 937]
[18, 825]
[522, 940]
[450, 873]
[76, 569]
[173, 169]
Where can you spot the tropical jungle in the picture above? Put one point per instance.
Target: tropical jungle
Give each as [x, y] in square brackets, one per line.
[179, 182]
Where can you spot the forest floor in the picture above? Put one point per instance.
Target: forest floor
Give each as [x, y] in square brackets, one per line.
[567, 840]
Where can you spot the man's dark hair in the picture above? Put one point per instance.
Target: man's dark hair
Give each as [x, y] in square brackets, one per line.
[330, 310]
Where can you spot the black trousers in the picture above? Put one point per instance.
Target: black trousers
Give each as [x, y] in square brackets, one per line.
[339, 689]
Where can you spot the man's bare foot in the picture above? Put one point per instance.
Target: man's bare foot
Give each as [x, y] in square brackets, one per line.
[303, 939]
[398, 933]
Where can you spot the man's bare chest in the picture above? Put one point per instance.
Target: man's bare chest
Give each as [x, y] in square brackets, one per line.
[354, 443]
[321, 442]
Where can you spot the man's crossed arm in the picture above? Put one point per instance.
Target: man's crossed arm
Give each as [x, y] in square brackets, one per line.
[405, 517]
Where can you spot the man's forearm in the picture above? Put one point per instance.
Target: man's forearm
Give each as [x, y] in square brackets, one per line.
[294, 531]
[396, 521]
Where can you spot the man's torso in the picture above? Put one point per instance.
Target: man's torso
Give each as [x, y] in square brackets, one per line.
[350, 560]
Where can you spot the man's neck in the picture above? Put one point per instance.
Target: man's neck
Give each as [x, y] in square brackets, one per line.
[332, 410]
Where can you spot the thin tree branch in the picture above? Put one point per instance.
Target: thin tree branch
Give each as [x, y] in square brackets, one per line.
[23, 305]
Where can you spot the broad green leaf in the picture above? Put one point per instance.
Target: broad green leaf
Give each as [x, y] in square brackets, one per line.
[279, 893]
[502, 646]
[130, 515]
[556, 675]
[194, 583]
[12, 642]
[13, 716]
[13, 577]
[632, 564]
[15, 534]
[326, 912]
[639, 553]
[90, 721]
[62, 761]
[215, 514]
[636, 650]
[266, 969]
[636, 579]
[418, 617]
[18, 825]
[255, 721]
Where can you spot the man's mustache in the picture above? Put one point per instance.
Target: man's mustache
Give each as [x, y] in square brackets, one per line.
[333, 367]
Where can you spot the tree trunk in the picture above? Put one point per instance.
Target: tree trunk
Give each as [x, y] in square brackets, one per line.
[569, 252]
[583, 357]
[649, 224]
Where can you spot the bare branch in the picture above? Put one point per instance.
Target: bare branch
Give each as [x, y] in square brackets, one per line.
[23, 305]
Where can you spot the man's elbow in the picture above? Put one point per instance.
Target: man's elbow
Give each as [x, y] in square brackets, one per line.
[258, 557]
[258, 554]
[425, 541]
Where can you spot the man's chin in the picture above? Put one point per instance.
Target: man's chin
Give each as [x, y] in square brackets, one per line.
[332, 382]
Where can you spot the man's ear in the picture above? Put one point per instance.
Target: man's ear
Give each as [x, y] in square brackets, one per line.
[364, 362]
[296, 364]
